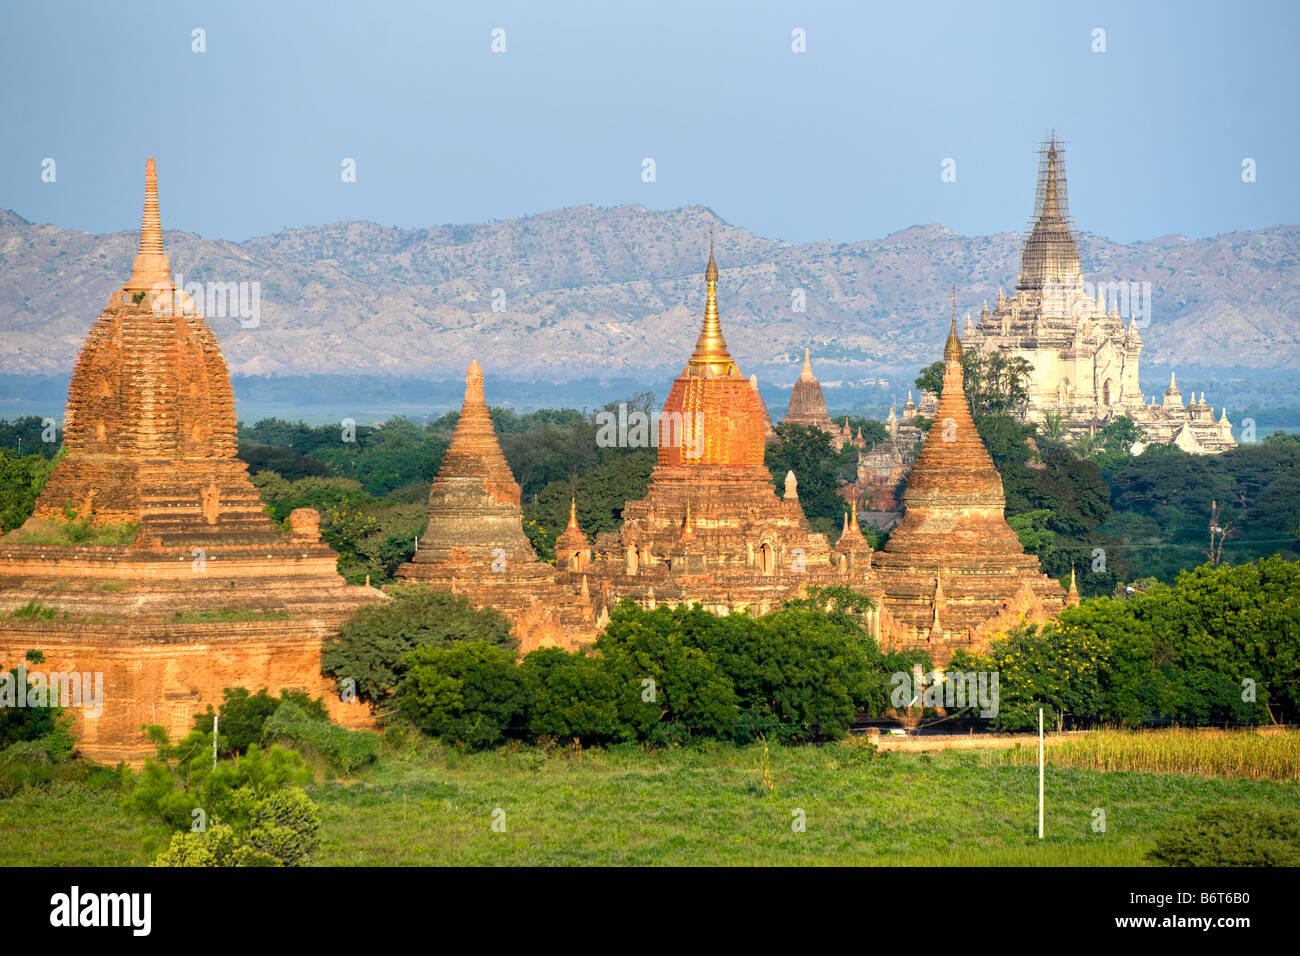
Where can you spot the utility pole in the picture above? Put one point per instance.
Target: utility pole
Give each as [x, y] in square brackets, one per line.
[1040, 773]
[215, 718]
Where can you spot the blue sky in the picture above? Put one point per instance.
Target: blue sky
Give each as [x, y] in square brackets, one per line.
[843, 142]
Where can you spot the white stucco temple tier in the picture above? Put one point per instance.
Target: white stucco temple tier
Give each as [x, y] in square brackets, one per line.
[1083, 354]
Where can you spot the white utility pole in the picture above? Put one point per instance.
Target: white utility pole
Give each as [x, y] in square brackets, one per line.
[215, 718]
[1040, 773]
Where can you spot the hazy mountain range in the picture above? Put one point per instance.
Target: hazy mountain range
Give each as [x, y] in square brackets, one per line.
[612, 292]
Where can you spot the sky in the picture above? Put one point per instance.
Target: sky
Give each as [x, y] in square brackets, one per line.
[843, 142]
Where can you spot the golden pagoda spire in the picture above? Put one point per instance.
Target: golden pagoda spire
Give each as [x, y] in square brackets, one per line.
[711, 349]
[573, 513]
[952, 349]
[1072, 596]
[151, 265]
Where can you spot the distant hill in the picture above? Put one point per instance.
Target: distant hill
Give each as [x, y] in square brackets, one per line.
[611, 292]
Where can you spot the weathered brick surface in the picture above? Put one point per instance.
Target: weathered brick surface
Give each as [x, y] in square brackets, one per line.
[475, 543]
[711, 528]
[953, 572]
[211, 593]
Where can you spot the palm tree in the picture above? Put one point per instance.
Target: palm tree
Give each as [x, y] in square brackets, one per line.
[1086, 446]
[1054, 425]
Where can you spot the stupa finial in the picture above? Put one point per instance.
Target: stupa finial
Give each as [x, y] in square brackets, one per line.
[151, 265]
[952, 348]
[711, 349]
[807, 371]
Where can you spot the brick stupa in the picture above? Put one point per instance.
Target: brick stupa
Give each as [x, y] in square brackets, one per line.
[475, 543]
[953, 573]
[711, 528]
[206, 592]
[807, 403]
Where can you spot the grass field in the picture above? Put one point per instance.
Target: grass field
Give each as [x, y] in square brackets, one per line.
[723, 805]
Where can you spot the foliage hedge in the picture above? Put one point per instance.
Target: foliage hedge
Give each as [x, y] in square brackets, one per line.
[664, 677]
[1220, 646]
[1233, 836]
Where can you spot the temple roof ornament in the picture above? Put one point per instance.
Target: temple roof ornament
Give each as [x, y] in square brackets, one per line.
[807, 373]
[151, 266]
[711, 357]
[951, 348]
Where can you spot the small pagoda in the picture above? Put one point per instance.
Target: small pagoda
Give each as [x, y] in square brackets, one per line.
[953, 572]
[475, 543]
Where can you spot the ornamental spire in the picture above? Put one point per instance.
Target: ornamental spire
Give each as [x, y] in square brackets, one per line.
[711, 349]
[151, 265]
[952, 348]
[1051, 200]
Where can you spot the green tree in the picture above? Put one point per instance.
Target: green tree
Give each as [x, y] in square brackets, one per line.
[570, 696]
[372, 646]
[995, 383]
[872, 431]
[27, 436]
[467, 693]
[242, 716]
[21, 481]
[817, 466]
[667, 690]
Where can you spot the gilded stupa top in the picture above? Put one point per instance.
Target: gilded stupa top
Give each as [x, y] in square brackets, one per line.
[711, 357]
[952, 348]
[723, 418]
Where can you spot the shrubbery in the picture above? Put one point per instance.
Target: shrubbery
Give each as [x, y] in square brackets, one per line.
[243, 715]
[341, 749]
[569, 696]
[249, 811]
[468, 692]
[664, 676]
[1222, 645]
[282, 831]
[1233, 836]
[372, 647]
